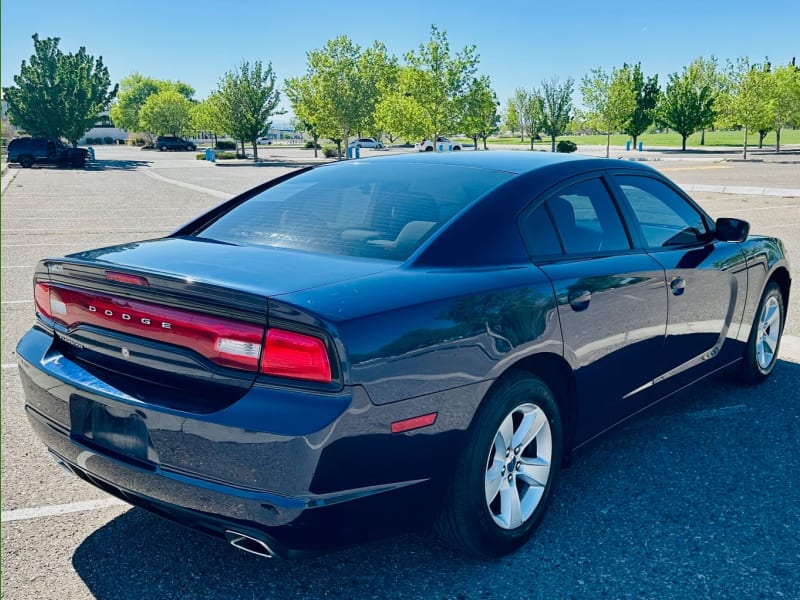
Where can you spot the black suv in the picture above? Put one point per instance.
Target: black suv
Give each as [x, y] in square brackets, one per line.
[169, 142]
[26, 151]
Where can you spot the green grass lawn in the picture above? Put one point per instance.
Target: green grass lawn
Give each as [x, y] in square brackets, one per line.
[713, 138]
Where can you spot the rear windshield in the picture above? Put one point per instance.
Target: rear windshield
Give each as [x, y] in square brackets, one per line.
[371, 209]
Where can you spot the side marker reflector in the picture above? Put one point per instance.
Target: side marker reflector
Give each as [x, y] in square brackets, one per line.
[414, 423]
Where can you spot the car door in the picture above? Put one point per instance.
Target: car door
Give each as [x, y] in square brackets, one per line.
[706, 278]
[612, 302]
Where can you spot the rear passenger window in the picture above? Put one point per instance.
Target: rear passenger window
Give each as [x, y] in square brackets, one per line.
[664, 216]
[586, 219]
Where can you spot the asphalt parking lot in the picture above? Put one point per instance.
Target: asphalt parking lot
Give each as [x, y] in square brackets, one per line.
[699, 498]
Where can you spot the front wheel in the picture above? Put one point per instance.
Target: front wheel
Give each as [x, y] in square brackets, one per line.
[761, 353]
[26, 161]
[163, 148]
[500, 487]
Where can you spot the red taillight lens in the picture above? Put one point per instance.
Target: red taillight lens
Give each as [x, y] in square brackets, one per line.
[41, 295]
[295, 355]
[127, 278]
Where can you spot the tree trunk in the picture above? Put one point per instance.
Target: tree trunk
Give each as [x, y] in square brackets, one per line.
[777, 140]
[683, 141]
[552, 143]
[315, 138]
[635, 140]
[703, 136]
[762, 133]
[255, 150]
[485, 147]
[744, 151]
[608, 143]
[475, 142]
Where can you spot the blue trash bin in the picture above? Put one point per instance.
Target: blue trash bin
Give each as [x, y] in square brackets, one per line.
[640, 146]
[210, 155]
[628, 146]
[358, 152]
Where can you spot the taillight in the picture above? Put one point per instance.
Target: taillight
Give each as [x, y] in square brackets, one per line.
[41, 295]
[295, 355]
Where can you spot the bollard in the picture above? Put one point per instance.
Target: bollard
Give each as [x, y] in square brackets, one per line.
[640, 146]
[210, 155]
[628, 146]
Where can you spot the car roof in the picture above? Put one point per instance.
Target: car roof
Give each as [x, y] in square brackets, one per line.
[510, 161]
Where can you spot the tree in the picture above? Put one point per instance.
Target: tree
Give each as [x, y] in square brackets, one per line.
[58, 95]
[207, 116]
[305, 105]
[431, 87]
[609, 100]
[134, 91]
[704, 72]
[166, 113]
[511, 120]
[556, 107]
[745, 99]
[528, 110]
[247, 99]
[480, 111]
[685, 107]
[645, 96]
[785, 99]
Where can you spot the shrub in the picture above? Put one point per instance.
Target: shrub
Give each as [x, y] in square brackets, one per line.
[330, 152]
[226, 155]
[201, 156]
[108, 140]
[566, 146]
[225, 145]
[310, 145]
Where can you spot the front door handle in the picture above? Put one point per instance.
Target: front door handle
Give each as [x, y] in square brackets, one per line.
[678, 286]
[579, 300]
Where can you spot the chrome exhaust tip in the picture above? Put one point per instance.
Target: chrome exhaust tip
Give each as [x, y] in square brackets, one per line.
[249, 544]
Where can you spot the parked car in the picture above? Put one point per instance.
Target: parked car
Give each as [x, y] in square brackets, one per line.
[169, 142]
[445, 143]
[265, 141]
[28, 151]
[358, 348]
[366, 142]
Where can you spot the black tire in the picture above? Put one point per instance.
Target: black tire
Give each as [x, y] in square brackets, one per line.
[429, 149]
[26, 161]
[761, 352]
[468, 521]
[191, 148]
[456, 148]
[78, 162]
[163, 148]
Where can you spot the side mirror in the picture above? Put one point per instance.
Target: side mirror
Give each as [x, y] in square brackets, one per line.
[732, 230]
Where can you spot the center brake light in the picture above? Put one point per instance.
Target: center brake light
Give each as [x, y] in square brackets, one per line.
[296, 355]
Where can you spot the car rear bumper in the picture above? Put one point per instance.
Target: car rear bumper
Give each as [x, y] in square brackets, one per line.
[299, 483]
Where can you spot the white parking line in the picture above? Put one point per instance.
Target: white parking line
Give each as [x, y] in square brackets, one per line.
[188, 186]
[17, 267]
[9, 365]
[16, 301]
[39, 512]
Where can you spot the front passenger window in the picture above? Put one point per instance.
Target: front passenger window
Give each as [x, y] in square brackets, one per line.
[664, 216]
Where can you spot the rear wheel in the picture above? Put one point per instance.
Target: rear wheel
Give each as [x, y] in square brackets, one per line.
[761, 353]
[78, 161]
[500, 488]
[163, 148]
[26, 161]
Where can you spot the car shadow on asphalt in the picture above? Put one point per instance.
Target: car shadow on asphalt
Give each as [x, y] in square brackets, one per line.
[695, 495]
[292, 164]
[117, 165]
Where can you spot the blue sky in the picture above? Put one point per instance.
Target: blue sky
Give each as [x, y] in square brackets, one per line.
[520, 43]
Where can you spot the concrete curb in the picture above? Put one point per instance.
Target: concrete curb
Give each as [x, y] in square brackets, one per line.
[739, 189]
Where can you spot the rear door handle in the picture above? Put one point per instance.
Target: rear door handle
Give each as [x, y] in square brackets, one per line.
[678, 286]
[579, 300]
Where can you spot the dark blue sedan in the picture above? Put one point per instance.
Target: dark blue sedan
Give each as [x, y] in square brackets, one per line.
[359, 348]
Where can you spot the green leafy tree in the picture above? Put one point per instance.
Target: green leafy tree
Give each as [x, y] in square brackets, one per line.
[705, 72]
[207, 116]
[686, 106]
[746, 98]
[480, 111]
[529, 110]
[556, 107]
[134, 91]
[305, 102]
[511, 119]
[247, 99]
[645, 95]
[431, 88]
[58, 95]
[785, 99]
[609, 100]
[166, 113]
[398, 112]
